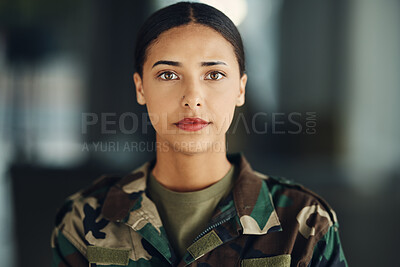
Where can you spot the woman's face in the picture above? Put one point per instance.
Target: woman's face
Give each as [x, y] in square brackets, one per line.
[191, 71]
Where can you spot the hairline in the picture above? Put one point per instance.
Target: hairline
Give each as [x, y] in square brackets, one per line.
[191, 22]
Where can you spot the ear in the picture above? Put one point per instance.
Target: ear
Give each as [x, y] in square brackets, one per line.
[242, 86]
[139, 89]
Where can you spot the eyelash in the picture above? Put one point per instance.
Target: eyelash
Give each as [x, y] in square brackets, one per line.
[165, 72]
[170, 72]
[217, 72]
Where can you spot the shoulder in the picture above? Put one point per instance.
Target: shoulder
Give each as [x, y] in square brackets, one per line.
[80, 211]
[109, 198]
[94, 195]
[308, 224]
[296, 204]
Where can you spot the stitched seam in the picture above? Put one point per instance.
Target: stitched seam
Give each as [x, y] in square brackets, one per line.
[130, 238]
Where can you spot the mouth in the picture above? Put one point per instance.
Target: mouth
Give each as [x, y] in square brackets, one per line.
[192, 124]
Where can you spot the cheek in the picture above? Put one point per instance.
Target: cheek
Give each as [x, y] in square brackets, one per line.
[157, 114]
[229, 95]
[223, 109]
[153, 108]
[156, 99]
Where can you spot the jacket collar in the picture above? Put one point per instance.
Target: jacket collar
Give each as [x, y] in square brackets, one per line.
[253, 200]
[126, 200]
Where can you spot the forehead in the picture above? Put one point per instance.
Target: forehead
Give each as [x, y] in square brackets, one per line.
[190, 42]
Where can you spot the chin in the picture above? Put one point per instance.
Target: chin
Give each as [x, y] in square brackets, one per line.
[192, 147]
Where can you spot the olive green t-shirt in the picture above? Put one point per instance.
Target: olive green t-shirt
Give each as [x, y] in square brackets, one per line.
[186, 214]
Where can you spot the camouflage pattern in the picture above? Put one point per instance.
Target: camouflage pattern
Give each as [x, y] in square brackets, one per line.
[264, 221]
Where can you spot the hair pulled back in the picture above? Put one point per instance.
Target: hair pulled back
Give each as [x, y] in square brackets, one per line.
[183, 13]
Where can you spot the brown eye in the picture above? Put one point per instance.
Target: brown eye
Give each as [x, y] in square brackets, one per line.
[215, 75]
[168, 76]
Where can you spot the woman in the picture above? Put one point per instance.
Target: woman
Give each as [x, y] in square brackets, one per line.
[194, 205]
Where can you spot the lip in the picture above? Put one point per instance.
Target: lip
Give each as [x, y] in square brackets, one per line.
[192, 124]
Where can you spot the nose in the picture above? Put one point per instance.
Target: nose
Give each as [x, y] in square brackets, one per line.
[192, 95]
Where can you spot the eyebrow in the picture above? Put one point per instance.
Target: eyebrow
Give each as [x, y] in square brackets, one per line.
[167, 62]
[212, 63]
[176, 63]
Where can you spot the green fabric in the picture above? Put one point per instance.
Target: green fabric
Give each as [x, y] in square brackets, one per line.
[63, 247]
[280, 260]
[156, 239]
[108, 255]
[205, 244]
[259, 212]
[331, 247]
[186, 214]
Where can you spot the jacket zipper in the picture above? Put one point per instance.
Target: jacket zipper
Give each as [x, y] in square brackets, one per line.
[208, 229]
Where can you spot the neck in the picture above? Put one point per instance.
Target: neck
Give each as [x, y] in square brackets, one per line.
[185, 172]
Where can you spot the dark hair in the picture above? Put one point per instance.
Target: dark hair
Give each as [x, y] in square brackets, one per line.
[183, 13]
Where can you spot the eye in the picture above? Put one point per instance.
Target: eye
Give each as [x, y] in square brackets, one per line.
[215, 75]
[167, 75]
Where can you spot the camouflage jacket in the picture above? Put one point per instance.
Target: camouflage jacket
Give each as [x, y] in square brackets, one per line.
[264, 221]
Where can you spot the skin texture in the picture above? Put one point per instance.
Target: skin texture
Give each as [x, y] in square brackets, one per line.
[190, 161]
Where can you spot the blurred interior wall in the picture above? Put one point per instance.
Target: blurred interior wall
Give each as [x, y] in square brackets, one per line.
[259, 32]
[371, 132]
[7, 243]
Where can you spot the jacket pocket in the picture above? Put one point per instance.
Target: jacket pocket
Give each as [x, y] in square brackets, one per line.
[275, 261]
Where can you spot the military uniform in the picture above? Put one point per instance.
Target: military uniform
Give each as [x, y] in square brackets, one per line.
[264, 221]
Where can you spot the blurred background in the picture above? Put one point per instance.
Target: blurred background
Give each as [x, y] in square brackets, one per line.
[322, 108]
